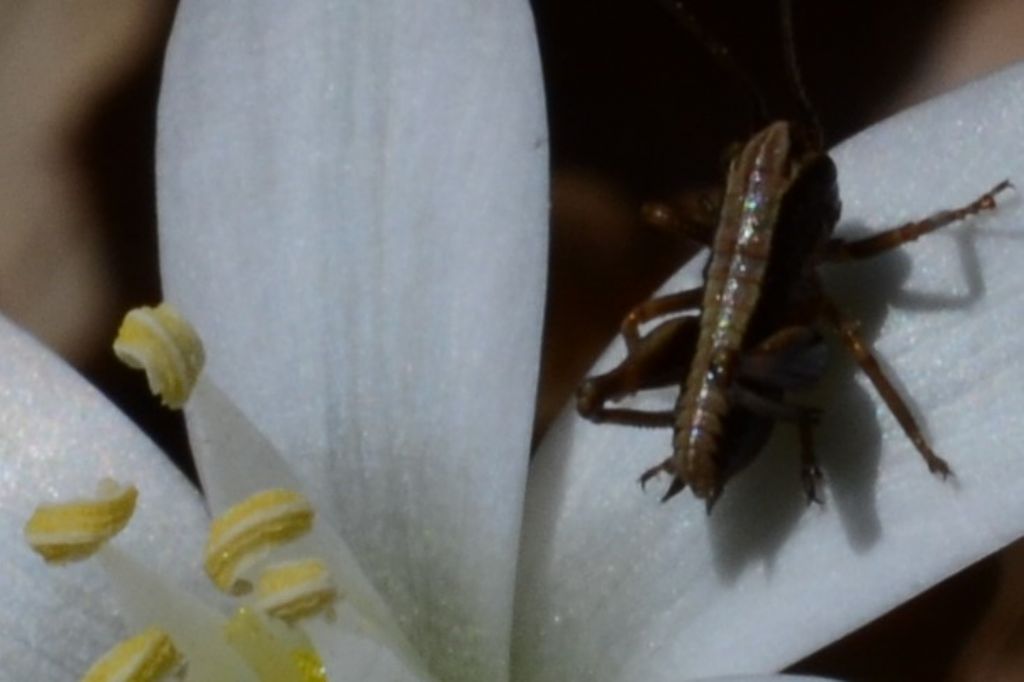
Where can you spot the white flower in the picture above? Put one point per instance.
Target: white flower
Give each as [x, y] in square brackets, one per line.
[352, 208]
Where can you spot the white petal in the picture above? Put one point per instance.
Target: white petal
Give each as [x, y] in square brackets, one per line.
[58, 438]
[196, 625]
[349, 653]
[764, 678]
[350, 657]
[353, 213]
[235, 461]
[622, 587]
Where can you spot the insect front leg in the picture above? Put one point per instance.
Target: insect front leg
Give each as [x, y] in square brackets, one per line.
[654, 308]
[861, 351]
[841, 250]
[625, 416]
[692, 214]
[656, 360]
[774, 408]
[792, 357]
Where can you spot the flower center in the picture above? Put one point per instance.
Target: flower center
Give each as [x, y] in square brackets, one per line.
[265, 639]
[264, 633]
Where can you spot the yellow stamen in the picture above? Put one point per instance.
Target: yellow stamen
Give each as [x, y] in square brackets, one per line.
[162, 342]
[75, 530]
[148, 657]
[277, 653]
[295, 589]
[247, 530]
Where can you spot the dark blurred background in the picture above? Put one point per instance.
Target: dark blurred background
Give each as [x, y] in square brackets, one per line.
[638, 109]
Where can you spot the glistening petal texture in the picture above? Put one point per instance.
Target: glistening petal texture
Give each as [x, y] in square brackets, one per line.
[58, 438]
[353, 202]
[616, 586]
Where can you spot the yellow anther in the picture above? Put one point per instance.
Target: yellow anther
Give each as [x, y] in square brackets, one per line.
[274, 651]
[162, 342]
[75, 530]
[294, 590]
[148, 657]
[247, 530]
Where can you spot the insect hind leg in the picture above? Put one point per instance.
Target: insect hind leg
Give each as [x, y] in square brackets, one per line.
[841, 250]
[861, 351]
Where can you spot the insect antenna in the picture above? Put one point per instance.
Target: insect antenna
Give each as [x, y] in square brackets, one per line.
[722, 55]
[795, 79]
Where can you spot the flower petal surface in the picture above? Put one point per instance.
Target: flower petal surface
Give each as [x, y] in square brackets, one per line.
[58, 437]
[615, 586]
[353, 202]
[764, 678]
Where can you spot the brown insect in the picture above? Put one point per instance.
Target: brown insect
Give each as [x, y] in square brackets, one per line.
[755, 337]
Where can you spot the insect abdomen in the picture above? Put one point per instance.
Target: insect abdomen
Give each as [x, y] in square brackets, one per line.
[754, 190]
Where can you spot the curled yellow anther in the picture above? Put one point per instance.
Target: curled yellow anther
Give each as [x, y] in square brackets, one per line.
[294, 590]
[75, 530]
[148, 657]
[247, 530]
[162, 342]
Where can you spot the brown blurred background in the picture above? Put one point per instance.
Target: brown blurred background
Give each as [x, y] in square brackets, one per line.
[637, 109]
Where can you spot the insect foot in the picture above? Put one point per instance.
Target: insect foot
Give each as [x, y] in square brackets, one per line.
[939, 466]
[812, 480]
